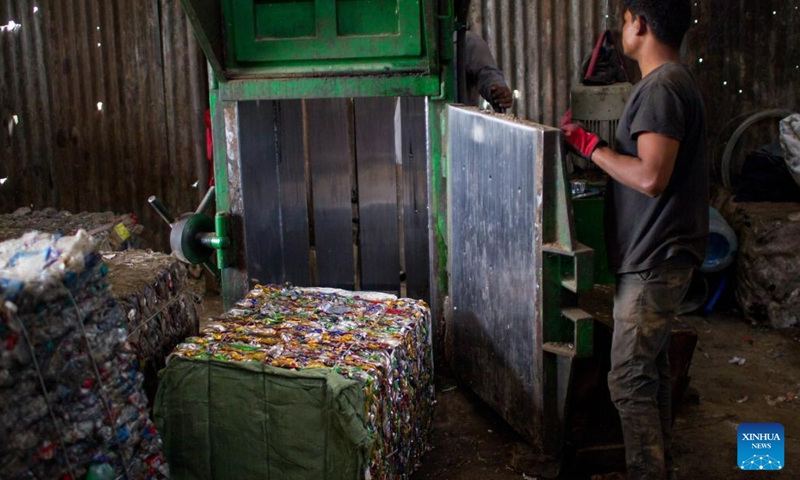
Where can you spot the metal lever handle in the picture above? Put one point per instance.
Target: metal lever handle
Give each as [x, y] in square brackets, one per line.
[161, 210]
[207, 199]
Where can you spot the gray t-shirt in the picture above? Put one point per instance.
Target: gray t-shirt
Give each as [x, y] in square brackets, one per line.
[642, 232]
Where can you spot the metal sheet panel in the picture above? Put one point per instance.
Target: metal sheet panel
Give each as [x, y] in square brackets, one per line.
[346, 159]
[260, 192]
[376, 155]
[293, 191]
[414, 200]
[331, 156]
[495, 261]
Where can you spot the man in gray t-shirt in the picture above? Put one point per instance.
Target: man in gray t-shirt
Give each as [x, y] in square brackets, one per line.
[645, 228]
[656, 223]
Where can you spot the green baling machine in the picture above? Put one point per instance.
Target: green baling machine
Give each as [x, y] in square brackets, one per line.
[341, 161]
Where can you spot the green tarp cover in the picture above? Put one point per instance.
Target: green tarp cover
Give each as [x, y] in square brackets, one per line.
[242, 420]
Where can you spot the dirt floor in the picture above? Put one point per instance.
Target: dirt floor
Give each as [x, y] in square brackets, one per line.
[472, 443]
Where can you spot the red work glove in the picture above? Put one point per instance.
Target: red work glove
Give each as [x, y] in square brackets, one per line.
[579, 139]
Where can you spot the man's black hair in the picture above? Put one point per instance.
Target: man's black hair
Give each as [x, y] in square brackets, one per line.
[669, 19]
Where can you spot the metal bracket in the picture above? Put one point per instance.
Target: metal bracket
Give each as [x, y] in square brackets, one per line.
[577, 273]
[195, 236]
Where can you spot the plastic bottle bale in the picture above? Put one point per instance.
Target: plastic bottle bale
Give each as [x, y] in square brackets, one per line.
[767, 289]
[301, 384]
[161, 310]
[69, 381]
[113, 232]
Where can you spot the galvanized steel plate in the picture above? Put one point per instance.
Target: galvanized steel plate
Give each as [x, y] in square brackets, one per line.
[495, 166]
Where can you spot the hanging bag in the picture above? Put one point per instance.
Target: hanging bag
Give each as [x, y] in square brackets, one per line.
[605, 65]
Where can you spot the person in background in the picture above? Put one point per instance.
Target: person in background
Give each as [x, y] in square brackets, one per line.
[656, 223]
[483, 77]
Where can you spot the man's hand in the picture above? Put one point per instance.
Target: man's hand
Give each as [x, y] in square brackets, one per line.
[501, 95]
[579, 139]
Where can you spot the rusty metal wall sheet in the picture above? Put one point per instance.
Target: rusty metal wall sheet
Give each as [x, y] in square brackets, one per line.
[377, 125]
[294, 191]
[744, 53]
[495, 261]
[108, 98]
[275, 202]
[540, 45]
[414, 186]
[330, 192]
[330, 130]
[261, 199]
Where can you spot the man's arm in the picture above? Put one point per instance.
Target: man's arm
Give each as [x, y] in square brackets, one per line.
[481, 64]
[650, 172]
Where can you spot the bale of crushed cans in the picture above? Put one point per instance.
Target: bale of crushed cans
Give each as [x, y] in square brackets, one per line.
[161, 310]
[70, 388]
[301, 384]
[113, 232]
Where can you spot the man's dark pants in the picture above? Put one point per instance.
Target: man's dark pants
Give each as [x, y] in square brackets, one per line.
[644, 308]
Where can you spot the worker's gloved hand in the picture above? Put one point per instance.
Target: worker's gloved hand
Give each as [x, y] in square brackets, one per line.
[578, 138]
[501, 96]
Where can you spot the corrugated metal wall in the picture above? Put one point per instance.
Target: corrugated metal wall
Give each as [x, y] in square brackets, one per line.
[746, 55]
[109, 97]
[750, 51]
[140, 59]
[540, 45]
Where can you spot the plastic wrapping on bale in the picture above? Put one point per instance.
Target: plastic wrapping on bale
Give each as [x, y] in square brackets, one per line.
[113, 232]
[153, 290]
[69, 381]
[301, 384]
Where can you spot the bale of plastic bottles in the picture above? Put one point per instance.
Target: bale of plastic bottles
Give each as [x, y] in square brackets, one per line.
[767, 260]
[70, 387]
[112, 231]
[159, 304]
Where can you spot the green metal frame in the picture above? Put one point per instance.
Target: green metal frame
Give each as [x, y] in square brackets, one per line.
[301, 62]
[590, 229]
[568, 331]
[568, 266]
[386, 71]
[330, 87]
[313, 29]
